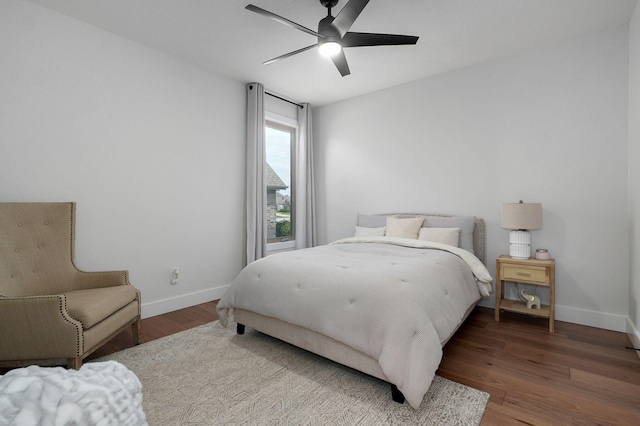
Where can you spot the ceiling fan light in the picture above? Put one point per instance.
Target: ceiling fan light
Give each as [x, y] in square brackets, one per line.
[330, 48]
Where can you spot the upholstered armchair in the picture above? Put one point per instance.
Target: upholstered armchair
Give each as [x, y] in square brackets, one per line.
[51, 313]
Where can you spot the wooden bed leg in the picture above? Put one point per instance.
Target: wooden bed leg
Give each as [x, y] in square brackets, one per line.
[240, 328]
[396, 395]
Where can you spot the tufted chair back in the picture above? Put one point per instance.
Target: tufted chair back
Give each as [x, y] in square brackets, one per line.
[36, 248]
[51, 313]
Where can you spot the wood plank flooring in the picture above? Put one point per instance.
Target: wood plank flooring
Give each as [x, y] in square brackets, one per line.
[576, 376]
[160, 326]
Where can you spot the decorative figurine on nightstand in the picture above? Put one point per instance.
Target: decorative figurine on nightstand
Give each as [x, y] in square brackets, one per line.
[531, 299]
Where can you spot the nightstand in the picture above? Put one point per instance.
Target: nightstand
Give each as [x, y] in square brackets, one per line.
[528, 271]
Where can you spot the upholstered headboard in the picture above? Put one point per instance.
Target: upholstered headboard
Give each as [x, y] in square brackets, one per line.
[441, 220]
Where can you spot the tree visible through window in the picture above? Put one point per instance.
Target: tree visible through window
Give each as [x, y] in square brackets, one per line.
[279, 147]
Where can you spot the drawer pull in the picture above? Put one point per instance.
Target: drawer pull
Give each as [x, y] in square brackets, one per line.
[523, 274]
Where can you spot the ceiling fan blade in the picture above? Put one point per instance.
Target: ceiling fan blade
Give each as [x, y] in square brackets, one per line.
[282, 20]
[340, 61]
[371, 39]
[348, 15]
[286, 55]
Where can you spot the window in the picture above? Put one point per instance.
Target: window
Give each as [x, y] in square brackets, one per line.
[280, 143]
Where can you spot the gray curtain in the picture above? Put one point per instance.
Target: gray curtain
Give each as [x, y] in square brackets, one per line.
[256, 192]
[305, 192]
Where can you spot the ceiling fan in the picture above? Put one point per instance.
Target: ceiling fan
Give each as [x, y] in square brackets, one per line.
[333, 33]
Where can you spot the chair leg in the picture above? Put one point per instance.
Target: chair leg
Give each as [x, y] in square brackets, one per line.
[74, 363]
[135, 327]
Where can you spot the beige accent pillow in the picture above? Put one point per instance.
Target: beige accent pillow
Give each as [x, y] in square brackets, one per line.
[404, 228]
[450, 236]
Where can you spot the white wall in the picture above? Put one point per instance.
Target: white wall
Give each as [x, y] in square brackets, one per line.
[150, 147]
[549, 125]
[634, 179]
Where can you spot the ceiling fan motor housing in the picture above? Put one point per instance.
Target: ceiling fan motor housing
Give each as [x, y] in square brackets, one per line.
[327, 30]
[328, 3]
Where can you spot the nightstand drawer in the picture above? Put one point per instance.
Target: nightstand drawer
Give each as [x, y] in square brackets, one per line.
[525, 274]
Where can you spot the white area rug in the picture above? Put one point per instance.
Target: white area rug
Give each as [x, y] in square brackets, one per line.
[209, 375]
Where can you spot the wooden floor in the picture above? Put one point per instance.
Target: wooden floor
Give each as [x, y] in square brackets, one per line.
[576, 376]
[161, 326]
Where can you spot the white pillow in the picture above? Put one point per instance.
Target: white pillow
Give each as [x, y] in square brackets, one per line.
[362, 231]
[404, 228]
[450, 236]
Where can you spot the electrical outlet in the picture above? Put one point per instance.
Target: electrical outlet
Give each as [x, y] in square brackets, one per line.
[174, 276]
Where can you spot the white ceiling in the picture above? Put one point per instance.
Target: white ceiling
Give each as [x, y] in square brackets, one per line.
[221, 35]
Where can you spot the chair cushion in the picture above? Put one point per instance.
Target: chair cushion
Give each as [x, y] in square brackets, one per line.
[93, 305]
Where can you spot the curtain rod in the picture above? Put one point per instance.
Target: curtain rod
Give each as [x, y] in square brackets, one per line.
[286, 100]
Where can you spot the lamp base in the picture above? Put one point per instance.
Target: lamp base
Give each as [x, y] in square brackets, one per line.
[520, 245]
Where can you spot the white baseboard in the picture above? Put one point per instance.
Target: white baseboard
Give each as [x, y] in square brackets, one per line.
[160, 307]
[592, 318]
[563, 313]
[634, 335]
[582, 316]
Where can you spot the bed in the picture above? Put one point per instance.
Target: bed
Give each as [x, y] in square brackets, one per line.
[383, 302]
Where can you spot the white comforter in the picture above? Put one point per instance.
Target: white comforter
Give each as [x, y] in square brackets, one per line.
[394, 299]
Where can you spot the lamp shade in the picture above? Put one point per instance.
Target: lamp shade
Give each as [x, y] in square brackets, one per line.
[522, 216]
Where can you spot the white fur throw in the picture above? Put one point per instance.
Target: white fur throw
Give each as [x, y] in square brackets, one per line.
[101, 393]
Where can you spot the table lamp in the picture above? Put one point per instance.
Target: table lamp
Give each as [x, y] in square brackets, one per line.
[521, 218]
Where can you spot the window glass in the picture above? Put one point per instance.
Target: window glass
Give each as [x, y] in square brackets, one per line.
[279, 152]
